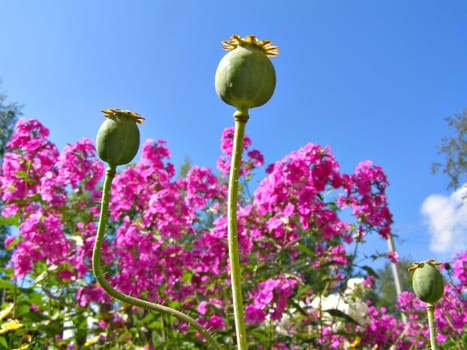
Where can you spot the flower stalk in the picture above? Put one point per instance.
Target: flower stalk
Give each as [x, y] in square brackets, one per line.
[431, 324]
[245, 78]
[235, 273]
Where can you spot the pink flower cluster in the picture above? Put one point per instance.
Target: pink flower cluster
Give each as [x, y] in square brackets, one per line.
[255, 158]
[272, 295]
[167, 236]
[34, 186]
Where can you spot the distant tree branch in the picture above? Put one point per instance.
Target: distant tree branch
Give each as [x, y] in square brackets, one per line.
[454, 150]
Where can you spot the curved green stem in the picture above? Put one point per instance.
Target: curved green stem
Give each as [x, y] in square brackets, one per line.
[431, 323]
[98, 272]
[235, 274]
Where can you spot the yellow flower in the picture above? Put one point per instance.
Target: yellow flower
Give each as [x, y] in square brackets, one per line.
[22, 347]
[12, 325]
[91, 341]
[355, 343]
[6, 312]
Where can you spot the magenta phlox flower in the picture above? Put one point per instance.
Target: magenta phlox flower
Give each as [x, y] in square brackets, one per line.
[296, 180]
[383, 329]
[201, 185]
[66, 274]
[27, 130]
[393, 257]
[254, 314]
[138, 259]
[22, 259]
[157, 154]
[272, 295]
[13, 184]
[51, 190]
[78, 164]
[210, 252]
[227, 138]
[42, 238]
[89, 294]
[167, 212]
[255, 157]
[338, 255]
[214, 321]
[212, 304]
[147, 262]
[459, 267]
[245, 238]
[28, 157]
[365, 193]
[136, 185]
[129, 193]
[84, 238]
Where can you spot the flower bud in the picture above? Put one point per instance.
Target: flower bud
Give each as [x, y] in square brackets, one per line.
[117, 140]
[245, 77]
[427, 281]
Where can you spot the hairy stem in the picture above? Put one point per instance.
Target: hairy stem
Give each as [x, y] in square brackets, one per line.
[98, 272]
[431, 323]
[235, 274]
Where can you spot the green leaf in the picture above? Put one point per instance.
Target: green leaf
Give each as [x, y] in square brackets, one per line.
[6, 285]
[10, 220]
[36, 197]
[22, 174]
[187, 275]
[36, 316]
[304, 249]
[340, 314]
[13, 243]
[305, 288]
[148, 318]
[3, 343]
[370, 271]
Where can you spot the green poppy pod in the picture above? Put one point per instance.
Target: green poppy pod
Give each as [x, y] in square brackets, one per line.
[427, 281]
[245, 77]
[118, 139]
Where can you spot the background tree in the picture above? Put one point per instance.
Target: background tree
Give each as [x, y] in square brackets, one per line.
[385, 292]
[454, 149]
[9, 113]
[184, 167]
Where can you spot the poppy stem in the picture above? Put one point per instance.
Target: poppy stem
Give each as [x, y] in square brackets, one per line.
[98, 271]
[235, 273]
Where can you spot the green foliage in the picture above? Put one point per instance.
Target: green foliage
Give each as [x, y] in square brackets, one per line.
[454, 150]
[9, 113]
[184, 167]
[385, 293]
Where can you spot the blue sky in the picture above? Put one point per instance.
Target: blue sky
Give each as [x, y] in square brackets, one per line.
[372, 79]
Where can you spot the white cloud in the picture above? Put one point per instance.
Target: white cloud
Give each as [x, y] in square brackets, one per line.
[447, 221]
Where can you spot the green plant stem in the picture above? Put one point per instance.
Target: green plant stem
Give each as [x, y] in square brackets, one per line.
[235, 274]
[431, 323]
[98, 272]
